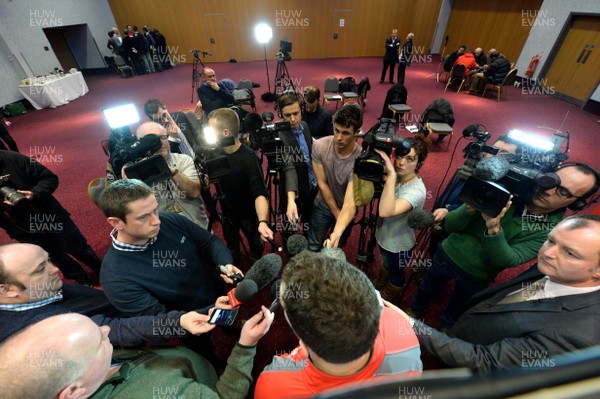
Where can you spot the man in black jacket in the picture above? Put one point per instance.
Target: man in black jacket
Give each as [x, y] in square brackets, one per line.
[392, 44]
[39, 218]
[550, 309]
[494, 73]
[299, 183]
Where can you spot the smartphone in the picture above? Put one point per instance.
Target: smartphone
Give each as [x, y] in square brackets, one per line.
[223, 317]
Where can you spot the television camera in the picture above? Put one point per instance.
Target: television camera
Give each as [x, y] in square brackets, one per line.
[382, 136]
[138, 158]
[490, 181]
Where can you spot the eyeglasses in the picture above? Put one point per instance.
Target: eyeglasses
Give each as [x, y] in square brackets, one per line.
[564, 193]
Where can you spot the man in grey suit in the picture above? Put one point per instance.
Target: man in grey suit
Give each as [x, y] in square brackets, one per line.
[553, 307]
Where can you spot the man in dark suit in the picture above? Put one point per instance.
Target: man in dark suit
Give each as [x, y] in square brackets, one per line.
[299, 185]
[392, 44]
[552, 308]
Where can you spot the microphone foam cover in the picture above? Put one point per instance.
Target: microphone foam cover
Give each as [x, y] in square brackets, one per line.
[265, 270]
[245, 291]
[420, 219]
[296, 244]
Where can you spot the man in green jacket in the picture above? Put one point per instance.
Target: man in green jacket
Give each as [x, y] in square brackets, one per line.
[69, 356]
[480, 247]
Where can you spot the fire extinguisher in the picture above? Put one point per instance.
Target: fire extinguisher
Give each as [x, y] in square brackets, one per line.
[533, 64]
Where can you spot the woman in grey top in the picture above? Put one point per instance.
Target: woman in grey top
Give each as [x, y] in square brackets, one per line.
[403, 191]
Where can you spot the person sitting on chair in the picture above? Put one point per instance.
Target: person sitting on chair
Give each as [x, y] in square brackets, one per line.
[494, 74]
[212, 94]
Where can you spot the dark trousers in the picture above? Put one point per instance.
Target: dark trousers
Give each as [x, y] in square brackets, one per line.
[443, 270]
[392, 65]
[401, 72]
[62, 242]
[6, 137]
[231, 233]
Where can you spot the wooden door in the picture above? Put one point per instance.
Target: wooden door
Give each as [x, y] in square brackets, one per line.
[575, 71]
[341, 36]
[216, 38]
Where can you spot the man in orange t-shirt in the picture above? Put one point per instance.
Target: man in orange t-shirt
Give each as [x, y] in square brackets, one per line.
[347, 334]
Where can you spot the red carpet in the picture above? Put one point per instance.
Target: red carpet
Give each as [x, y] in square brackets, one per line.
[68, 138]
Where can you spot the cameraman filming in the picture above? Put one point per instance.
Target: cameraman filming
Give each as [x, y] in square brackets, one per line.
[180, 193]
[479, 246]
[245, 205]
[31, 214]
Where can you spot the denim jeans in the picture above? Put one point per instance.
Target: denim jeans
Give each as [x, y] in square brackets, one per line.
[443, 270]
[321, 220]
[395, 263]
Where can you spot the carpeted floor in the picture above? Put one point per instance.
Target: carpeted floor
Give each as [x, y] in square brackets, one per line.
[69, 137]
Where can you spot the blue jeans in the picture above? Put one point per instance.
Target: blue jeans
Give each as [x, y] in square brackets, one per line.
[443, 270]
[321, 220]
[395, 262]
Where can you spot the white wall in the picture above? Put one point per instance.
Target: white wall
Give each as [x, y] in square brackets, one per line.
[21, 24]
[437, 44]
[551, 20]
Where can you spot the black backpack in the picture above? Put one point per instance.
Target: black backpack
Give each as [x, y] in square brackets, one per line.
[348, 84]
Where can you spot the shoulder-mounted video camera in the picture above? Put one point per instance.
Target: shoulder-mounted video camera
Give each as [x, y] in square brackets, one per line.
[382, 136]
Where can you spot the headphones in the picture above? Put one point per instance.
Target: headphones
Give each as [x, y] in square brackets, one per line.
[581, 203]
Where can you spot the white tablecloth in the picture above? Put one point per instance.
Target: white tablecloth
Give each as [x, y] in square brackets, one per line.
[56, 93]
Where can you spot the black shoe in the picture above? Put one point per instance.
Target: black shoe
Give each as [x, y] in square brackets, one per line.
[391, 81]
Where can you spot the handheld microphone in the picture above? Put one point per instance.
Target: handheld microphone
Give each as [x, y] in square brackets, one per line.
[278, 247]
[236, 277]
[492, 168]
[420, 219]
[296, 244]
[275, 295]
[264, 270]
[245, 291]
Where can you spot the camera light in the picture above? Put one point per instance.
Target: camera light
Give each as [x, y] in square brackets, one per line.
[263, 33]
[121, 115]
[210, 135]
[531, 140]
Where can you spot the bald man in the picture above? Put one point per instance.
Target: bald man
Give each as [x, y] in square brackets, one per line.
[552, 308]
[212, 94]
[68, 356]
[181, 192]
[30, 291]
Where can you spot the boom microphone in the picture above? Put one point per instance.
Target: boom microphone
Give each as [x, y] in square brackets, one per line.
[420, 219]
[296, 244]
[264, 270]
[492, 168]
[245, 291]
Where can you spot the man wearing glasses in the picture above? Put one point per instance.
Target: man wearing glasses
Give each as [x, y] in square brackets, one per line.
[181, 193]
[317, 118]
[479, 247]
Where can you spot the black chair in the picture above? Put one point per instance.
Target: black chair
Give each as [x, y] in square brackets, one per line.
[458, 75]
[438, 118]
[394, 104]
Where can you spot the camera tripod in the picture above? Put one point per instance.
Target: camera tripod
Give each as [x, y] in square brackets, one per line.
[368, 226]
[195, 73]
[283, 82]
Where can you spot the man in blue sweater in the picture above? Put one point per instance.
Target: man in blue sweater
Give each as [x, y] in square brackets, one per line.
[212, 94]
[157, 262]
[30, 291]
